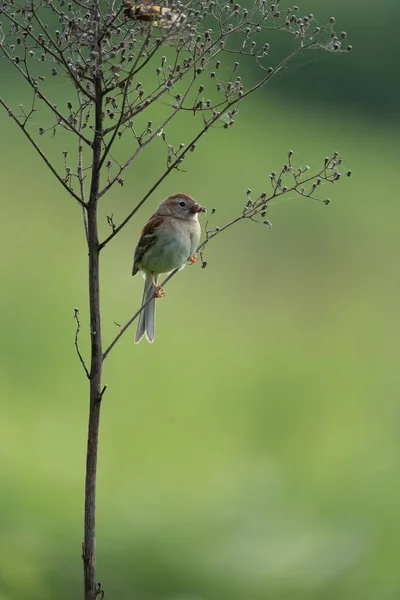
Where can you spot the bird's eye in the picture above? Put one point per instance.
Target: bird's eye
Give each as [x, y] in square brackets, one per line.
[182, 203]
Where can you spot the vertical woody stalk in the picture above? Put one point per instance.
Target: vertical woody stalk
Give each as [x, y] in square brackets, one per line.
[89, 545]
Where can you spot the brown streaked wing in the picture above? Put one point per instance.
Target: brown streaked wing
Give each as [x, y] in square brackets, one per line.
[146, 240]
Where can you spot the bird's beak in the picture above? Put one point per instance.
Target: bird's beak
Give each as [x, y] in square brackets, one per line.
[197, 208]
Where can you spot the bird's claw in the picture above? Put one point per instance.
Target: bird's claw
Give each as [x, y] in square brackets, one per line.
[159, 291]
[193, 259]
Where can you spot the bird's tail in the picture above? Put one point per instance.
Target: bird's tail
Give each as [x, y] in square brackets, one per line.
[146, 324]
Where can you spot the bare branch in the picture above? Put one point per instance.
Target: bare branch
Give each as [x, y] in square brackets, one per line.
[34, 84]
[81, 177]
[78, 328]
[41, 154]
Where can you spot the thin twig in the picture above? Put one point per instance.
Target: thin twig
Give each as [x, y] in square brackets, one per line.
[41, 154]
[40, 95]
[78, 328]
[80, 169]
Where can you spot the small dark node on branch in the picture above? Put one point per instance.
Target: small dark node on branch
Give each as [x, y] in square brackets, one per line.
[204, 263]
[99, 591]
[207, 231]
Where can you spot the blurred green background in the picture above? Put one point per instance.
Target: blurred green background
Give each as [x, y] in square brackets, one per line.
[252, 452]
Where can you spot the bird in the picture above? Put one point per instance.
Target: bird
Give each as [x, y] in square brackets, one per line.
[168, 241]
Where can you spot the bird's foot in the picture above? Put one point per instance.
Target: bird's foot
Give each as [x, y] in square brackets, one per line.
[193, 259]
[159, 291]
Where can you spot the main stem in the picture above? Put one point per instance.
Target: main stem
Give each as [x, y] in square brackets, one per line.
[89, 544]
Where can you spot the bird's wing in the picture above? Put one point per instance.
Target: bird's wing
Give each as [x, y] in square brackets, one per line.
[146, 240]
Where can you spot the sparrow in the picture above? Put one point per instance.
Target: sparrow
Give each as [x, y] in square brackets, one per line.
[168, 241]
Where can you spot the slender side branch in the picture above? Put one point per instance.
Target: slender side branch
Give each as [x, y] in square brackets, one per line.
[135, 154]
[78, 328]
[41, 154]
[81, 177]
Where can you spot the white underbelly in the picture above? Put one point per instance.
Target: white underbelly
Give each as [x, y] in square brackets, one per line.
[167, 255]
